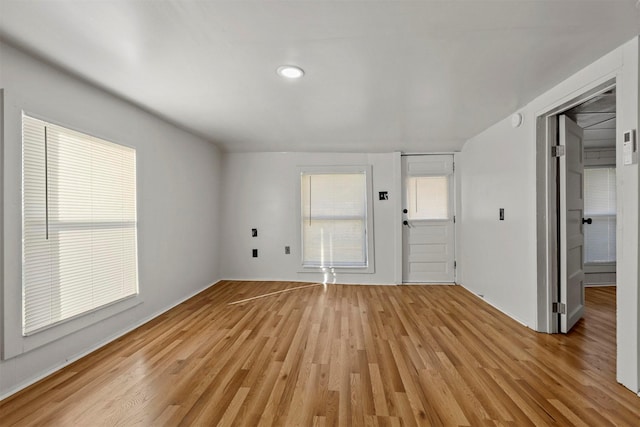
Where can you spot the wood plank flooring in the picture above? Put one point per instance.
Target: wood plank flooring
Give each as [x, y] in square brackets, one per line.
[339, 356]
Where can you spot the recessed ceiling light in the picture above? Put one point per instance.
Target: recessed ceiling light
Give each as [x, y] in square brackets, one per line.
[290, 71]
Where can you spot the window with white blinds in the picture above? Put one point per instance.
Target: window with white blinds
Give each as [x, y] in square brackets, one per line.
[79, 224]
[600, 206]
[334, 219]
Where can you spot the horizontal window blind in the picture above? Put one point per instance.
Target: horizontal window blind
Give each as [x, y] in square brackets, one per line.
[600, 205]
[79, 223]
[334, 220]
[428, 197]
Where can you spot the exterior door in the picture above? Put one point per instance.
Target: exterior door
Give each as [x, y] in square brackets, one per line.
[571, 224]
[428, 231]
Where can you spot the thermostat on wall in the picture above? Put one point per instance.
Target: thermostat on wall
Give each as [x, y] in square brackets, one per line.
[630, 147]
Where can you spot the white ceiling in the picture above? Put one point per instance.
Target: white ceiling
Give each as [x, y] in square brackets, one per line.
[413, 76]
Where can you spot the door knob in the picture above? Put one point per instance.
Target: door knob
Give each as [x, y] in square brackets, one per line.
[587, 220]
[405, 222]
[404, 211]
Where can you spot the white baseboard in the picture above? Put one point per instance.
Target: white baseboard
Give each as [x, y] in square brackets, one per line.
[308, 281]
[498, 308]
[99, 345]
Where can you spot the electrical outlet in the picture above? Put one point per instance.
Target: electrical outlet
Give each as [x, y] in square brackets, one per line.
[287, 250]
[254, 253]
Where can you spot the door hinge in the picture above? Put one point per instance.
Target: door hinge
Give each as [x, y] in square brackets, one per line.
[454, 219]
[557, 151]
[454, 166]
[558, 307]
[455, 265]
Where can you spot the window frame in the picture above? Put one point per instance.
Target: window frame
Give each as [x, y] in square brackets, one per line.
[14, 343]
[103, 164]
[600, 266]
[369, 223]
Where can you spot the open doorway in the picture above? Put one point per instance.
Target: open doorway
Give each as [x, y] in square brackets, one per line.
[586, 208]
[586, 203]
[563, 145]
[597, 118]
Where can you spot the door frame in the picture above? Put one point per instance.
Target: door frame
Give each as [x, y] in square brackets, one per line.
[547, 205]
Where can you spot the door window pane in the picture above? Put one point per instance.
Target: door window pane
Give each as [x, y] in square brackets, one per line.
[428, 197]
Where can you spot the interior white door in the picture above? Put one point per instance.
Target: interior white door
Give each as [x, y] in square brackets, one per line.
[428, 217]
[571, 226]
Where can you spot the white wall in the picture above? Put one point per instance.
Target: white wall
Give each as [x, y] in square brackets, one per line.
[178, 201]
[500, 171]
[600, 157]
[260, 191]
[499, 257]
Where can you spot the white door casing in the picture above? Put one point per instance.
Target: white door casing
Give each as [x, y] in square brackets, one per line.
[571, 190]
[428, 218]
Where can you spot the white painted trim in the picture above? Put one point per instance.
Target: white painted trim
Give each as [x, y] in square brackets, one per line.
[266, 279]
[429, 284]
[397, 203]
[102, 343]
[457, 213]
[271, 279]
[311, 282]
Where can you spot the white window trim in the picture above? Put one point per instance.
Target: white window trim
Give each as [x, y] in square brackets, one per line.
[370, 267]
[13, 342]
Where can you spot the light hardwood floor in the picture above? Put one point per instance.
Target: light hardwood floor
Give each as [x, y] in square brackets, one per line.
[340, 356]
